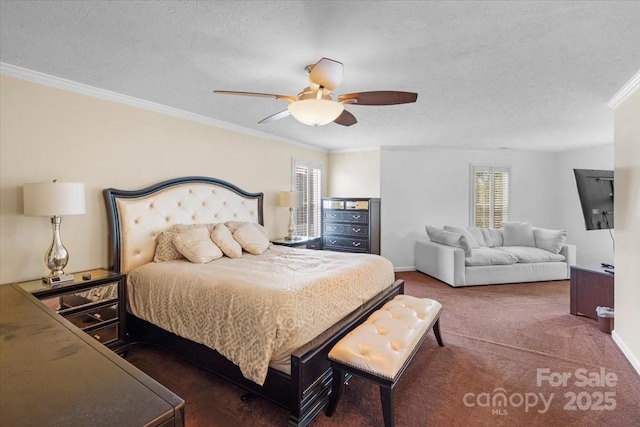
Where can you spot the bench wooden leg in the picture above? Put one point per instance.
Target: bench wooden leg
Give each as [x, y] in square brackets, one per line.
[336, 390]
[388, 405]
[436, 332]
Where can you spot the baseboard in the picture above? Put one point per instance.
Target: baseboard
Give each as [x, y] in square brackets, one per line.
[626, 351]
[404, 269]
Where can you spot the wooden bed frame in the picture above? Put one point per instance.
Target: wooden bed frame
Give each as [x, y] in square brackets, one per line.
[306, 390]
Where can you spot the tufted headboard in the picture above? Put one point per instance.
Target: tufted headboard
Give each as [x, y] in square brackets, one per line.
[137, 217]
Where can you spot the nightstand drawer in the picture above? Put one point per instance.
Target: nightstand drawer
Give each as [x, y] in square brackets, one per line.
[105, 335]
[72, 301]
[352, 245]
[93, 317]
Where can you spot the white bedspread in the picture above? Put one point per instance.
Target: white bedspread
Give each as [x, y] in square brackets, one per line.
[255, 310]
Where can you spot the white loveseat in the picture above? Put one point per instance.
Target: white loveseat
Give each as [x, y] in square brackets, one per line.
[515, 253]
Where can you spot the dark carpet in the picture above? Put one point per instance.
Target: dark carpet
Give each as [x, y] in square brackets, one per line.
[513, 356]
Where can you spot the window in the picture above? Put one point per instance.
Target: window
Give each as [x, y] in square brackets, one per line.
[307, 179]
[490, 196]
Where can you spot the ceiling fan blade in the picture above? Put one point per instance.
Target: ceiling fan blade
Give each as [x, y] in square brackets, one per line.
[326, 73]
[346, 119]
[379, 97]
[277, 116]
[290, 98]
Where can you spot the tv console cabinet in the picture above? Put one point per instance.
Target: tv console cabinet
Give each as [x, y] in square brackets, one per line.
[590, 288]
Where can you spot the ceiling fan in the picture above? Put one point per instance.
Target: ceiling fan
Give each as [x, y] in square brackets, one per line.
[317, 105]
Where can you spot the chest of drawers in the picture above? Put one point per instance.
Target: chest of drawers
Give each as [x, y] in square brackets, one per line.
[351, 224]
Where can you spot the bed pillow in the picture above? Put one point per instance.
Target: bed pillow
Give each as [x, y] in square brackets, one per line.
[473, 243]
[196, 245]
[222, 237]
[448, 238]
[518, 234]
[165, 249]
[492, 237]
[549, 240]
[234, 225]
[251, 239]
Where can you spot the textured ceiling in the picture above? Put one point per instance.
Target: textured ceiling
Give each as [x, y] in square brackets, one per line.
[528, 75]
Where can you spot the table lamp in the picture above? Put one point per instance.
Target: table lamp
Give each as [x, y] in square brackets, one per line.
[54, 199]
[291, 200]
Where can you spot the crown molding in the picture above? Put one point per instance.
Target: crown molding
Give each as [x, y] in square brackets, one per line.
[64, 84]
[631, 86]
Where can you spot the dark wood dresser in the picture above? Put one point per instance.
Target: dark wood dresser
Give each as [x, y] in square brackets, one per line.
[53, 374]
[351, 224]
[590, 288]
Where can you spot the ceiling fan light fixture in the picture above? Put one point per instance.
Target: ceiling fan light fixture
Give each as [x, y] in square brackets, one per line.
[315, 112]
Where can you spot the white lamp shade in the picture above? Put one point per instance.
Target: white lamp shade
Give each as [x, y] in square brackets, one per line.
[315, 112]
[54, 198]
[289, 199]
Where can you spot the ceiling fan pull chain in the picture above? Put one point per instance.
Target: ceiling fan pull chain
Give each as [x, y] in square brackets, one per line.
[319, 92]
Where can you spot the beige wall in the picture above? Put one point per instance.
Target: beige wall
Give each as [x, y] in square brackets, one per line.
[48, 133]
[354, 174]
[627, 225]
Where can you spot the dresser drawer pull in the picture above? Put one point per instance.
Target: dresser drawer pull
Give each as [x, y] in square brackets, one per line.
[333, 242]
[97, 316]
[332, 228]
[97, 337]
[356, 244]
[356, 230]
[332, 215]
[356, 216]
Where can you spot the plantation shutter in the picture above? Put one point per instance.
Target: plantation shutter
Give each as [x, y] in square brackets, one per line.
[490, 196]
[307, 180]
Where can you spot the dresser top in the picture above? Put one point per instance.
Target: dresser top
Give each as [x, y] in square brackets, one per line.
[52, 374]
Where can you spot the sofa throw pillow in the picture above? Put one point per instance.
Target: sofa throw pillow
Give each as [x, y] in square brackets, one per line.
[196, 245]
[477, 234]
[518, 234]
[549, 240]
[448, 238]
[251, 239]
[222, 237]
[492, 237]
[473, 243]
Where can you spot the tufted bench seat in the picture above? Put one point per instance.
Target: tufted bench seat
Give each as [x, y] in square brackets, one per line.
[380, 349]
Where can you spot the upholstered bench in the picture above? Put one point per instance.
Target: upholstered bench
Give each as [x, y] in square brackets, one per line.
[380, 349]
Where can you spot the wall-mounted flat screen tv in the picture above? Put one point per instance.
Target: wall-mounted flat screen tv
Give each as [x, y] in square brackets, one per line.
[595, 190]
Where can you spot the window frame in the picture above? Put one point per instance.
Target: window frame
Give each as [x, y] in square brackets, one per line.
[304, 228]
[473, 169]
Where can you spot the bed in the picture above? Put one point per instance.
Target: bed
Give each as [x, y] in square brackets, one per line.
[296, 374]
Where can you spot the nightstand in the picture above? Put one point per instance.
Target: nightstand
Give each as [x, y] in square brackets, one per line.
[306, 241]
[96, 305]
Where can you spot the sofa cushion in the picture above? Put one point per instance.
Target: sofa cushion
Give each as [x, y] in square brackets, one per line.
[477, 234]
[527, 254]
[518, 234]
[489, 256]
[448, 238]
[549, 240]
[492, 237]
[473, 243]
